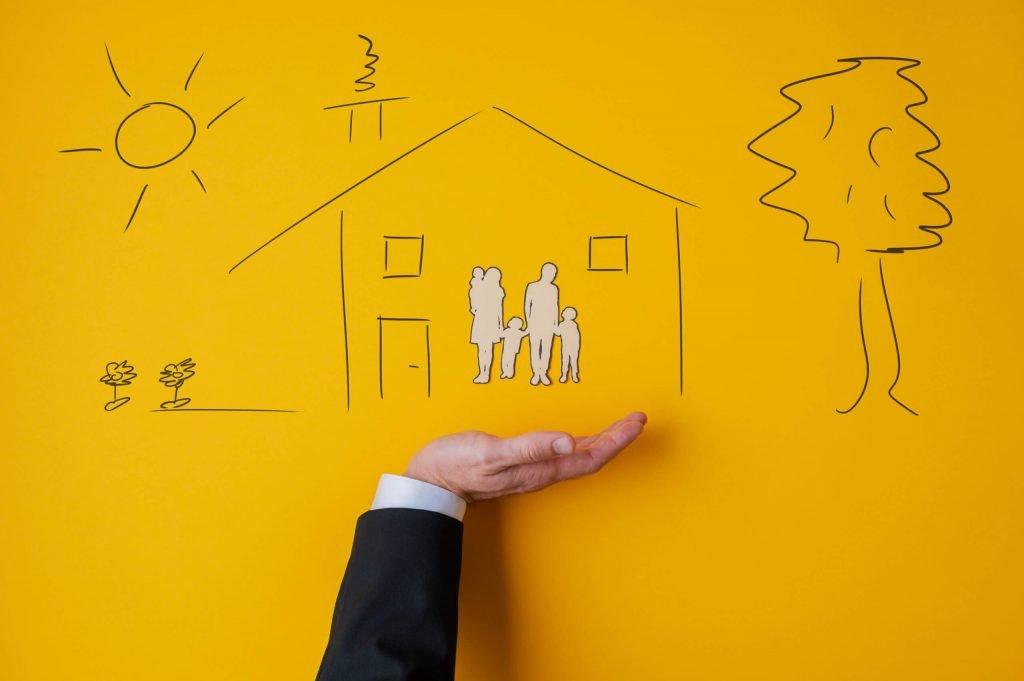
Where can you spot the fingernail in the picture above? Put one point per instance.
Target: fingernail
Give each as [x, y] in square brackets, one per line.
[563, 445]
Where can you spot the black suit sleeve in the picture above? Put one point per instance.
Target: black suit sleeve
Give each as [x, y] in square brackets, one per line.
[397, 613]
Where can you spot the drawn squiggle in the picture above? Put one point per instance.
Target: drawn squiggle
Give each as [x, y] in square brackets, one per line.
[871, 144]
[885, 204]
[363, 83]
[920, 157]
[855, 62]
[763, 199]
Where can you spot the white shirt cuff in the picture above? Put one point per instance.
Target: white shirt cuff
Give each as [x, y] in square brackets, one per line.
[398, 491]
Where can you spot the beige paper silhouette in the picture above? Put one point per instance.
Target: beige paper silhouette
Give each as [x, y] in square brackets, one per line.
[541, 307]
[486, 303]
[569, 331]
[511, 341]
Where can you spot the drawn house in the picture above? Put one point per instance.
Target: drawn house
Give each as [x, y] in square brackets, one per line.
[492, 190]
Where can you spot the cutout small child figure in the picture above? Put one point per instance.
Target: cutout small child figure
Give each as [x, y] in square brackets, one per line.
[569, 331]
[511, 340]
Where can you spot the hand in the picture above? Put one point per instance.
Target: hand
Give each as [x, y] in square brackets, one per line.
[478, 466]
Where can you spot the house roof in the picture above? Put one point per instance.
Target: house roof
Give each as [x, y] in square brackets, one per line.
[450, 128]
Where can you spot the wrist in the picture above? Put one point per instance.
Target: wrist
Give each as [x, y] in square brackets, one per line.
[418, 472]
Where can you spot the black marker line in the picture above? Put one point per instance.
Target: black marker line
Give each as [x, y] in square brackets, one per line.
[214, 120]
[403, 319]
[181, 409]
[763, 199]
[848, 192]
[136, 208]
[380, 354]
[896, 342]
[871, 141]
[363, 83]
[679, 282]
[920, 156]
[864, 345]
[428, 359]
[831, 120]
[385, 256]
[400, 276]
[344, 309]
[110, 61]
[885, 203]
[351, 119]
[380, 121]
[192, 72]
[347, 190]
[71, 151]
[202, 186]
[408, 238]
[590, 252]
[140, 166]
[590, 160]
[365, 101]
[422, 247]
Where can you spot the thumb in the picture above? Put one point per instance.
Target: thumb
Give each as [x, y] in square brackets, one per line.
[536, 446]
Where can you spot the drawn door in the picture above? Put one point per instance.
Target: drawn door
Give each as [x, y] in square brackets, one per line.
[404, 357]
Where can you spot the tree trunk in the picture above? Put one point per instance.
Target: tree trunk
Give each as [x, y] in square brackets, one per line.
[878, 340]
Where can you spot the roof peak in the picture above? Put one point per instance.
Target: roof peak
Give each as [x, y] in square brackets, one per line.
[504, 113]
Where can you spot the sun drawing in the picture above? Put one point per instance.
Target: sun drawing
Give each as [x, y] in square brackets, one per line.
[154, 134]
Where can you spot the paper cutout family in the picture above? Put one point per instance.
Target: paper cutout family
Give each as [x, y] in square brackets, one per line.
[544, 321]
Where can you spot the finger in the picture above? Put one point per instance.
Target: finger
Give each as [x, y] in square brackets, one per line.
[585, 460]
[613, 440]
[540, 445]
[586, 440]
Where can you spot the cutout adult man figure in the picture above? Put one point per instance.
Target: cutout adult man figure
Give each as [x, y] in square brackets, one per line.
[541, 307]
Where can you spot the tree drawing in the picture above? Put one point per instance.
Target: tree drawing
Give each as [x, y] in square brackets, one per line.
[859, 180]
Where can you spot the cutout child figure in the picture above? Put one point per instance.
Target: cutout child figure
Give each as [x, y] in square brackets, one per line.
[511, 341]
[569, 331]
[486, 303]
[478, 277]
[541, 307]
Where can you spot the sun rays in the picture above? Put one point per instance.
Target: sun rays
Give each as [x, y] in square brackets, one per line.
[140, 123]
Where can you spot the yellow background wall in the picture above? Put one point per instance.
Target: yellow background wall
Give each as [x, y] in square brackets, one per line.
[752, 534]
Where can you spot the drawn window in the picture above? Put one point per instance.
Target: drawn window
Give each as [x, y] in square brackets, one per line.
[403, 256]
[608, 253]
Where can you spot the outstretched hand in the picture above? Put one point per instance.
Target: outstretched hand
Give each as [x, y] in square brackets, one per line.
[476, 465]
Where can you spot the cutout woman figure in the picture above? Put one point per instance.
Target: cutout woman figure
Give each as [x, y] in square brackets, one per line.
[511, 341]
[569, 331]
[541, 307]
[486, 303]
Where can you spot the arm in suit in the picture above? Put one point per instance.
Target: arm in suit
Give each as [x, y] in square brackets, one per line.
[397, 613]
